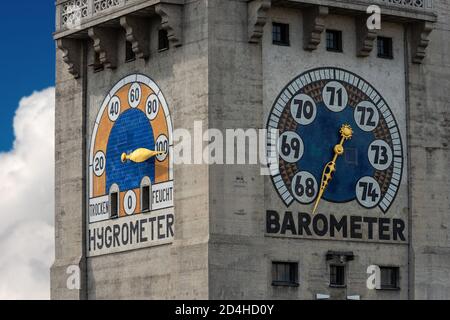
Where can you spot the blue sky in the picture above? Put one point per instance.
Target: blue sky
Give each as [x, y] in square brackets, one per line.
[27, 57]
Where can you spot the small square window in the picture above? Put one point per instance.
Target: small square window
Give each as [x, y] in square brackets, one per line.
[385, 49]
[145, 199]
[285, 274]
[114, 205]
[337, 276]
[390, 278]
[280, 34]
[129, 53]
[163, 40]
[334, 40]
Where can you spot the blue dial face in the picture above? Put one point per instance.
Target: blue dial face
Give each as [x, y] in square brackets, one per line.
[309, 115]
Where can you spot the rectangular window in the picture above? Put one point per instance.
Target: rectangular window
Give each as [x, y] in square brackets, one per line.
[145, 199]
[129, 53]
[337, 276]
[163, 40]
[385, 49]
[389, 278]
[114, 205]
[280, 34]
[334, 40]
[285, 274]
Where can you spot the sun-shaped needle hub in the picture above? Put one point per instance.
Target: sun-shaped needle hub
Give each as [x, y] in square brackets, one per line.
[346, 132]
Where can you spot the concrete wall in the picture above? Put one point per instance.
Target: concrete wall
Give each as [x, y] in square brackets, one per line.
[220, 249]
[236, 191]
[176, 271]
[245, 80]
[69, 181]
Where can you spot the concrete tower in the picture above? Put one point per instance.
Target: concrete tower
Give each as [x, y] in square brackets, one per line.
[136, 77]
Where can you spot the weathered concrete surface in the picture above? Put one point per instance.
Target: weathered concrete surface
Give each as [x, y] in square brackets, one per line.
[220, 249]
[429, 153]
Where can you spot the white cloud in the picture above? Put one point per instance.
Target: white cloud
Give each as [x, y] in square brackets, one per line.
[27, 201]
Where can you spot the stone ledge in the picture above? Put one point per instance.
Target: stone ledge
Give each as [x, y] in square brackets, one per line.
[89, 19]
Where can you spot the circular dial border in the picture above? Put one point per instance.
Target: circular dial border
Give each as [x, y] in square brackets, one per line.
[301, 97]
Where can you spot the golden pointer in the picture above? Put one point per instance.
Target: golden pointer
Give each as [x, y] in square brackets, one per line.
[140, 155]
[346, 134]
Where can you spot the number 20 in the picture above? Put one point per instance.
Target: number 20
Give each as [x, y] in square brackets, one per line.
[380, 155]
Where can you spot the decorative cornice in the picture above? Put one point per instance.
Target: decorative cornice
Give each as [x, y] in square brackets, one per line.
[257, 18]
[420, 40]
[105, 44]
[364, 38]
[137, 31]
[313, 26]
[171, 21]
[72, 50]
